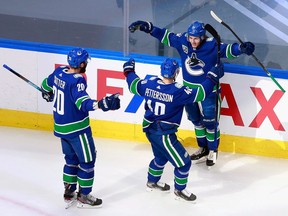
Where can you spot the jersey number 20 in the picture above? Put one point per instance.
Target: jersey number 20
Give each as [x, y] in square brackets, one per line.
[58, 102]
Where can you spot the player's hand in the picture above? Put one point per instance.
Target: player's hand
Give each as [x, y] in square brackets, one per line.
[216, 72]
[48, 96]
[129, 66]
[111, 102]
[247, 48]
[142, 26]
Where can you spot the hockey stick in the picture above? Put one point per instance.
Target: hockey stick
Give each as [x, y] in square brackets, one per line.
[25, 79]
[256, 59]
[215, 34]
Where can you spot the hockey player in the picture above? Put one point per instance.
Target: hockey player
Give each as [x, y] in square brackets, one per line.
[198, 55]
[71, 105]
[164, 105]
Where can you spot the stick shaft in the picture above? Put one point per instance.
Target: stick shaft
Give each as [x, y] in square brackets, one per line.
[255, 58]
[24, 78]
[253, 55]
[215, 34]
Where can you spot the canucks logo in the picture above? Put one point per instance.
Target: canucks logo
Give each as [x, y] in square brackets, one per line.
[194, 66]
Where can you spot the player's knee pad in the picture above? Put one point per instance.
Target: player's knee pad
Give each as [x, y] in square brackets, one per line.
[185, 169]
[198, 124]
[71, 160]
[71, 166]
[209, 117]
[209, 112]
[209, 123]
[183, 172]
[70, 172]
[157, 164]
[87, 167]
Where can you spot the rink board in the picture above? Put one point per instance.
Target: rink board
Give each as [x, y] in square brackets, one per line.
[253, 115]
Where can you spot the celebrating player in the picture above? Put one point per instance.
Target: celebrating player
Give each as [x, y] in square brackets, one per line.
[164, 105]
[66, 87]
[198, 55]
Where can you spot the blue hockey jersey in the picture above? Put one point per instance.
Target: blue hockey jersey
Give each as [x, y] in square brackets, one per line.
[196, 63]
[164, 103]
[71, 103]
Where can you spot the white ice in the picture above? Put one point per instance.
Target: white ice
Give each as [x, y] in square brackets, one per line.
[31, 165]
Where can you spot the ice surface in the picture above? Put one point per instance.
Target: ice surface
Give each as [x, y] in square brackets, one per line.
[31, 181]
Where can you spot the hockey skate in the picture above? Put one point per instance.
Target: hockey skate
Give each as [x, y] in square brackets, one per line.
[151, 186]
[70, 197]
[185, 195]
[199, 154]
[211, 158]
[88, 201]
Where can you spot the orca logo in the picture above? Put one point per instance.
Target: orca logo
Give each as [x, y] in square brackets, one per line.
[194, 66]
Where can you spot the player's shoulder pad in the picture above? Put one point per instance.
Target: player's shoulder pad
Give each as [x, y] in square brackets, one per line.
[61, 68]
[212, 40]
[209, 39]
[178, 85]
[153, 78]
[76, 76]
[144, 81]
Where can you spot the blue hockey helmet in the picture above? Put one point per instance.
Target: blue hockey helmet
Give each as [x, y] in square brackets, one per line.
[196, 29]
[169, 68]
[76, 56]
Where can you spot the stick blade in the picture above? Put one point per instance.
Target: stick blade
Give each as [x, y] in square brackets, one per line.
[215, 16]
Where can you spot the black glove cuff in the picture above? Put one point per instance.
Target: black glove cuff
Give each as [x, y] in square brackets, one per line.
[213, 80]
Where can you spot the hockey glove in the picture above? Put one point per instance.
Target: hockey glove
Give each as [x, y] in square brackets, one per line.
[111, 102]
[48, 96]
[216, 73]
[142, 26]
[247, 48]
[129, 66]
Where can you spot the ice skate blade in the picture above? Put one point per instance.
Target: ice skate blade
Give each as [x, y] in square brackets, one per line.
[148, 189]
[183, 200]
[200, 161]
[70, 203]
[87, 206]
[210, 167]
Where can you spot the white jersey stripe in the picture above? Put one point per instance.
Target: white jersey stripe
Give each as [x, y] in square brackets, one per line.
[85, 145]
[172, 151]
